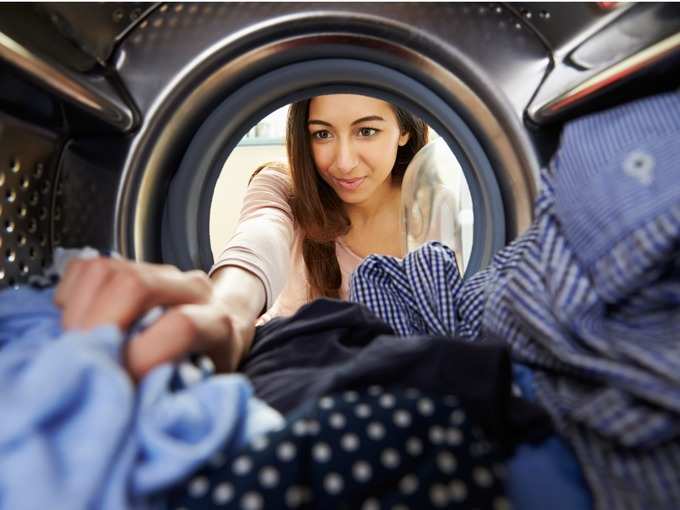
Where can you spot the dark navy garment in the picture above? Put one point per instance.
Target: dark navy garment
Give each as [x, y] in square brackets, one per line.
[589, 297]
[288, 355]
[369, 449]
[330, 345]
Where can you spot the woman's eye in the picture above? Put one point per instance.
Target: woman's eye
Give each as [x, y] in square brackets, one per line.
[322, 134]
[366, 131]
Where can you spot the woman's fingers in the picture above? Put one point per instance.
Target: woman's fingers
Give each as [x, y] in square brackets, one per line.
[180, 330]
[78, 290]
[108, 291]
[67, 281]
[103, 291]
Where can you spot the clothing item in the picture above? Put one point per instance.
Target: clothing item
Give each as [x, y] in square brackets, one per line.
[330, 345]
[373, 448]
[267, 244]
[75, 433]
[422, 293]
[546, 475]
[547, 471]
[290, 356]
[589, 297]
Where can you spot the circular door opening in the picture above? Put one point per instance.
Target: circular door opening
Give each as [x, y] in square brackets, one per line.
[436, 200]
[186, 236]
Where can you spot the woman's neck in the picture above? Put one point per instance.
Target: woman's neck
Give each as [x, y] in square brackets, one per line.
[386, 201]
[376, 226]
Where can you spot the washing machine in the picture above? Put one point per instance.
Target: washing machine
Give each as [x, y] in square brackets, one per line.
[116, 119]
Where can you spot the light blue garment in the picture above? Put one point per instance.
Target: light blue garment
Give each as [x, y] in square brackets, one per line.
[76, 434]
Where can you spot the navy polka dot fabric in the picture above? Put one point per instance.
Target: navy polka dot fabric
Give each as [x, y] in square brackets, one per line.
[367, 449]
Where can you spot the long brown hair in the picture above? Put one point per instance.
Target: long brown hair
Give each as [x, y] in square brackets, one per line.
[317, 209]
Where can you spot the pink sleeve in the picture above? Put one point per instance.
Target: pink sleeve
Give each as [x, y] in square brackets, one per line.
[263, 238]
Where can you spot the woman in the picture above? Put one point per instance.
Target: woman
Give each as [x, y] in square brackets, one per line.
[302, 233]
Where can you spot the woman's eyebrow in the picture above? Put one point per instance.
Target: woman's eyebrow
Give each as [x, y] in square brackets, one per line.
[322, 122]
[358, 121]
[367, 119]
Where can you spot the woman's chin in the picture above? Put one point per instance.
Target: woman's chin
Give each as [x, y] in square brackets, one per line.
[351, 197]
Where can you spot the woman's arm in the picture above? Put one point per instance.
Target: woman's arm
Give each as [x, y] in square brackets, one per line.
[214, 316]
[243, 294]
[262, 241]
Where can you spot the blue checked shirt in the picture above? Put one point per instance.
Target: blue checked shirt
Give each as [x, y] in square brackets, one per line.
[589, 297]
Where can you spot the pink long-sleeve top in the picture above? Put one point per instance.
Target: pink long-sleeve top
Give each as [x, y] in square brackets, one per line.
[268, 244]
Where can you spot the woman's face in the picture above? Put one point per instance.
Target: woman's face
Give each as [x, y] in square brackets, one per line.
[354, 142]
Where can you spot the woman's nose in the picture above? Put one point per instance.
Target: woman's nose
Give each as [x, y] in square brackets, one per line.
[346, 157]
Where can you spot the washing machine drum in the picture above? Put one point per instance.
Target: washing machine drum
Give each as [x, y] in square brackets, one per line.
[200, 76]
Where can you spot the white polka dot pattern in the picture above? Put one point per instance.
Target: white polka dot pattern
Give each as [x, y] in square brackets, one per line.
[425, 407]
[362, 471]
[408, 484]
[252, 501]
[286, 451]
[199, 487]
[333, 483]
[390, 458]
[269, 477]
[326, 403]
[375, 431]
[402, 418]
[439, 496]
[454, 437]
[242, 465]
[436, 434]
[223, 493]
[363, 411]
[321, 452]
[446, 462]
[337, 421]
[260, 443]
[350, 442]
[417, 449]
[387, 401]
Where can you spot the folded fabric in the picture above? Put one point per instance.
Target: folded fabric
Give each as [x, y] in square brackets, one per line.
[75, 433]
[330, 345]
[372, 448]
[589, 297]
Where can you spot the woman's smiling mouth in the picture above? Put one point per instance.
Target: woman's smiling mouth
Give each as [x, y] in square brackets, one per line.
[349, 184]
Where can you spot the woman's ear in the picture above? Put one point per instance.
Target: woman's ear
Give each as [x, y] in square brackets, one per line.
[403, 139]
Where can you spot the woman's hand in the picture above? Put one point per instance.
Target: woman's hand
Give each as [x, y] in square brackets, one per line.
[102, 291]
